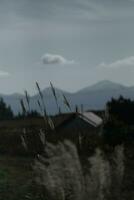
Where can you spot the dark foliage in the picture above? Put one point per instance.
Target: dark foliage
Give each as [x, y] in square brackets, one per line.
[122, 110]
[5, 111]
[119, 125]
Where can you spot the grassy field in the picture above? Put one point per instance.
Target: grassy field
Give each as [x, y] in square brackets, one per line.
[16, 179]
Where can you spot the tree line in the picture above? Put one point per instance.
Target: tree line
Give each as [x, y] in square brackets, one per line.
[119, 110]
[119, 123]
[6, 113]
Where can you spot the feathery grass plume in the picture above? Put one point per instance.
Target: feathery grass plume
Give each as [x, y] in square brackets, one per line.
[23, 107]
[99, 180]
[60, 172]
[23, 139]
[42, 137]
[119, 159]
[50, 122]
[27, 100]
[55, 97]
[117, 165]
[66, 102]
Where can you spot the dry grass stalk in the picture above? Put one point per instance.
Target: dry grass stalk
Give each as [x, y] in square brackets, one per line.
[23, 107]
[27, 100]
[55, 97]
[66, 102]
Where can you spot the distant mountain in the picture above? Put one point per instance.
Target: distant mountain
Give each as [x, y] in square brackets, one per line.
[16, 95]
[96, 96]
[47, 92]
[103, 85]
[92, 97]
[50, 100]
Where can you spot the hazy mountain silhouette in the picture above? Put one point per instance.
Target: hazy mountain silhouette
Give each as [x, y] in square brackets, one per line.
[92, 97]
[103, 85]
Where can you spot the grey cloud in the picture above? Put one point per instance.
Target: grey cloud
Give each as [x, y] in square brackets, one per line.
[4, 74]
[50, 59]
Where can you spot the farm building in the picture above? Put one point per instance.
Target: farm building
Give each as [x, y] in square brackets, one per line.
[80, 128]
[78, 121]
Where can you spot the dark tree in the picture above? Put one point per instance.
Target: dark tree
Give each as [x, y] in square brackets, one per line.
[119, 126]
[121, 109]
[5, 111]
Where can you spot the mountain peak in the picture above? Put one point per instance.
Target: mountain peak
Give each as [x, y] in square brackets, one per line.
[103, 85]
[107, 83]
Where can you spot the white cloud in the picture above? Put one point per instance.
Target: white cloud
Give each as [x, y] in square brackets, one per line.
[51, 59]
[4, 74]
[126, 62]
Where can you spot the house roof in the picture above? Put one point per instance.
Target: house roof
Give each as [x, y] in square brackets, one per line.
[89, 117]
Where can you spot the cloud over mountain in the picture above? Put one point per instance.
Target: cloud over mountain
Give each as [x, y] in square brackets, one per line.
[126, 62]
[50, 59]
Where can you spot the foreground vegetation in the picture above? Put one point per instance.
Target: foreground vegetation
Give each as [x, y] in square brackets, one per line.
[16, 179]
[61, 173]
[99, 170]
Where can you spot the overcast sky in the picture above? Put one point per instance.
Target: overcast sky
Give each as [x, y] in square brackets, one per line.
[73, 43]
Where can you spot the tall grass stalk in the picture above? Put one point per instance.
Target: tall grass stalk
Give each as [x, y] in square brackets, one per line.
[66, 102]
[55, 97]
[42, 99]
[24, 110]
[27, 100]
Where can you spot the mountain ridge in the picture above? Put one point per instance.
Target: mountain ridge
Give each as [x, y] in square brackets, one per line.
[101, 85]
[92, 97]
